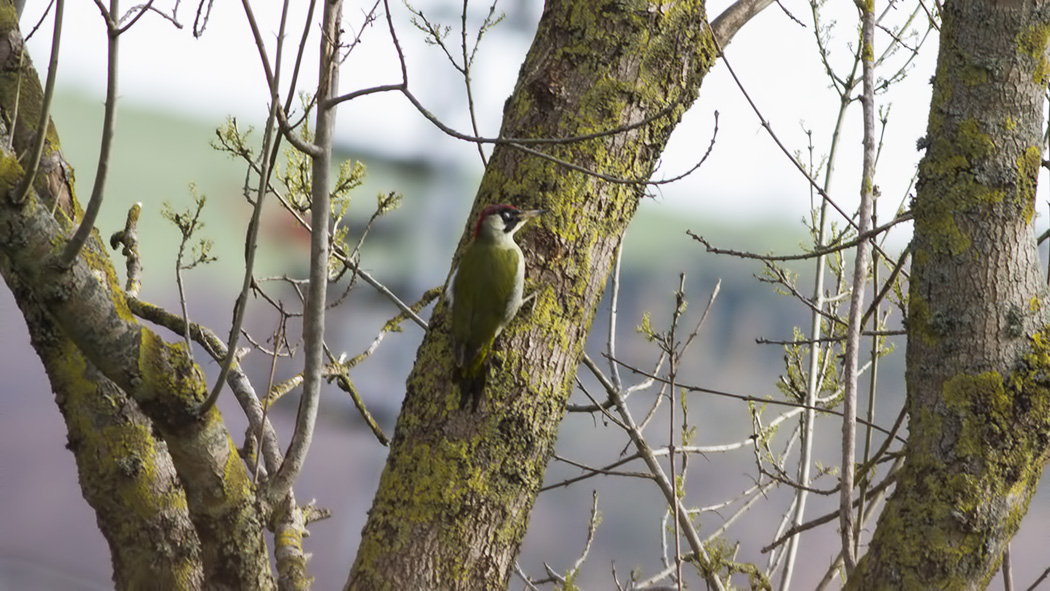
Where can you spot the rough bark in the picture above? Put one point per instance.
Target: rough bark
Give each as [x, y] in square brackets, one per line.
[978, 344]
[455, 496]
[106, 349]
[126, 474]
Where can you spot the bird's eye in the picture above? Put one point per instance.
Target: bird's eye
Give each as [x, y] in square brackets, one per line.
[510, 219]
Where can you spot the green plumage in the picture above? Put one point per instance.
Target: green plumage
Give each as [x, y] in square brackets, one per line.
[487, 294]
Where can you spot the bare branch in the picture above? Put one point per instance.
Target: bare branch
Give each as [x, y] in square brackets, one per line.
[252, 235]
[140, 10]
[732, 19]
[592, 527]
[746, 398]
[818, 252]
[44, 123]
[1008, 575]
[1039, 580]
[525, 578]
[614, 305]
[347, 260]
[874, 490]
[20, 4]
[860, 279]
[769, 129]
[278, 338]
[314, 313]
[108, 122]
[668, 490]
[200, 22]
[129, 238]
[672, 372]
[401, 86]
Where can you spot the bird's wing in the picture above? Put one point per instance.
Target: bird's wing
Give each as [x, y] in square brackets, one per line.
[481, 297]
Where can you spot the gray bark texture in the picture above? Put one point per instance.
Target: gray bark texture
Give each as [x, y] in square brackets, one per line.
[977, 360]
[455, 496]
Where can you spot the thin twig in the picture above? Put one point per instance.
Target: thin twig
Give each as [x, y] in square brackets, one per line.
[808, 423]
[43, 124]
[614, 305]
[347, 260]
[769, 129]
[307, 23]
[666, 487]
[18, 98]
[831, 516]
[525, 578]
[1039, 580]
[592, 527]
[815, 253]
[252, 236]
[886, 286]
[836, 339]
[672, 373]
[278, 338]
[467, 62]
[747, 398]
[1008, 575]
[140, 10]
[187, 233]
[200, 21]
[314, 313]
[703, 317]
[658, 452]
[847, 523]
[36, 27]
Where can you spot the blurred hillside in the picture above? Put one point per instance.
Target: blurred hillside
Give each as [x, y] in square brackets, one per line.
[157, 157]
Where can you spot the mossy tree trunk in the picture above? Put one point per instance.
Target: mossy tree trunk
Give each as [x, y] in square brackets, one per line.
[978, 349]
[170, 493]
[455, 496]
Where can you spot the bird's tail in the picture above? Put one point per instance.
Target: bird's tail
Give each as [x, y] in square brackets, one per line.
[471, 386]
[471, 380]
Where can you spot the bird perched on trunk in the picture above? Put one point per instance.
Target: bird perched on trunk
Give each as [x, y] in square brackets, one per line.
[485, 293]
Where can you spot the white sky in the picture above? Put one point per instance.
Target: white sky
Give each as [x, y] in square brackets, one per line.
[746, 175]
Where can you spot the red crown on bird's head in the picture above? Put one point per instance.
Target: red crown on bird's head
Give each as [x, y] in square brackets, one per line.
[489, 210]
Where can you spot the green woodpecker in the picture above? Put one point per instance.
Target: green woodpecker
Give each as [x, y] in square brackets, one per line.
[485, 292]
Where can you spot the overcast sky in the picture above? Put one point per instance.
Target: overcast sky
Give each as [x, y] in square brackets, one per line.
[747, 175]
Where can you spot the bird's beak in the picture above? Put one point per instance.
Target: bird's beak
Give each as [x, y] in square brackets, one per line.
[528, 215]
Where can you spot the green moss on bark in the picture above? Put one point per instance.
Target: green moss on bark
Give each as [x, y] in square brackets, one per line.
[985, 452]
[1028, 165]
[465, 482]
[950, 165]
[1032, 42]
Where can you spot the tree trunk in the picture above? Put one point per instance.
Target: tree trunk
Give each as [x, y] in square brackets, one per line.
[126, 474]
[454, 499]
[978, 346]
[121, 388]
